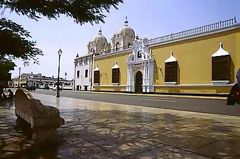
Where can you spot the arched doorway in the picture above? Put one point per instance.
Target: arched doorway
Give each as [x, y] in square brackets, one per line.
[138, 82]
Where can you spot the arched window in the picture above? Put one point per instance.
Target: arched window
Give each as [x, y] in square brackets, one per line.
[139, 54]
[92, 50]
[117, 46]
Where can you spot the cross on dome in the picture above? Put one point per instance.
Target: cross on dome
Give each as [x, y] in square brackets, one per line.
[126, 21]
[100, 31]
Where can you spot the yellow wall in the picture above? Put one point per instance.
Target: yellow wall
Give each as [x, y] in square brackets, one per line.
[194, 61]
[105, 66]
[194, 57]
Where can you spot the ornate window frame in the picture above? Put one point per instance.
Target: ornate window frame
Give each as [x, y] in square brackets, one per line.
[115, 74]
[171, 71]
[221, 66]
[96, 76]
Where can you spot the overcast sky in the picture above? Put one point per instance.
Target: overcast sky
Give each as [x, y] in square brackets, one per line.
[150, 18]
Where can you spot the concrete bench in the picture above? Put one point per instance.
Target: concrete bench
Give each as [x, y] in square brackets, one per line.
[43, 120]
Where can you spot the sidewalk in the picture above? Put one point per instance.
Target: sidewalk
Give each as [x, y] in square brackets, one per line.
[105, 130]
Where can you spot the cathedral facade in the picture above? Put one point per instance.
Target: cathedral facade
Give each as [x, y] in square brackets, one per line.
[202, 60]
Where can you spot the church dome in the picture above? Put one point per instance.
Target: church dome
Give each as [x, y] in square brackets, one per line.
[125, 29]
[100, 38]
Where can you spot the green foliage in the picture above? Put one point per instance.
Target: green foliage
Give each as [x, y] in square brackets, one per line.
[82, 11]
[14, 41]
[5, 66]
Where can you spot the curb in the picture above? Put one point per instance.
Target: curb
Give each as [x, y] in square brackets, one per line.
[196, 96]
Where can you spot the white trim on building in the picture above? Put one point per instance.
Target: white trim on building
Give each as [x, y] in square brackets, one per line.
[140, 60]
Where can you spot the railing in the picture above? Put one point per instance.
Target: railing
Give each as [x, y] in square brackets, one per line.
[195, 31]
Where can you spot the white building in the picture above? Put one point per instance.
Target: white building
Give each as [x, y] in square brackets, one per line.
[83, 73]
[84, 64]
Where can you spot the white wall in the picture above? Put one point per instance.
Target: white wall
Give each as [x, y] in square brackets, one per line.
[83, 81]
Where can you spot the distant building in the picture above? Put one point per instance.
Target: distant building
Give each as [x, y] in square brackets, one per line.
[199, 60]
[40, 81]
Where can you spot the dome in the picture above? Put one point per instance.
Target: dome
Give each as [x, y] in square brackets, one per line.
[100, 38]
[125, 29]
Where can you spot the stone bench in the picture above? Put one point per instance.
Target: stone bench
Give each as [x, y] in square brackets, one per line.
[43, 120]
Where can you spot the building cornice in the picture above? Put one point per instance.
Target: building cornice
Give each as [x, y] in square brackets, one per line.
[82, 57]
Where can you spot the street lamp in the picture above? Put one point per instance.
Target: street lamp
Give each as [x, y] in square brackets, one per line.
[59, 56]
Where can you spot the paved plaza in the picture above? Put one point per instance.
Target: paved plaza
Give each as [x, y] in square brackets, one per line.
[106, 130]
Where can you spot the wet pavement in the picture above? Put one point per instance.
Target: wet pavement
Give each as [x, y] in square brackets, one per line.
[106, 130]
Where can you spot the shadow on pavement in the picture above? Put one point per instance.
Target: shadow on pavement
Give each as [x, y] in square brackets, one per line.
[123, 134]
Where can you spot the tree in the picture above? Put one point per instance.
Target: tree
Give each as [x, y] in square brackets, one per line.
[81, 11]
[14, 39]
[5, 66]
[14, 42]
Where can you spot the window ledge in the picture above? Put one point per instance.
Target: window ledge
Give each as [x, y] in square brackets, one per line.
[115, 84]
[96, 84]
[220, 82]
[170, 83]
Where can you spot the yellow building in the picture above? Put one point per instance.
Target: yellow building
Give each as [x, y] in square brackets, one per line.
[202, 60]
